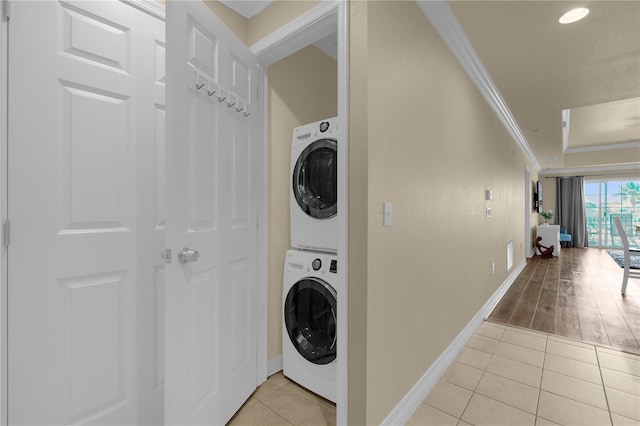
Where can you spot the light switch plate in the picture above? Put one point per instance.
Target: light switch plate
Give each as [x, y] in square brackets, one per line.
[488, 211]
[388, 212]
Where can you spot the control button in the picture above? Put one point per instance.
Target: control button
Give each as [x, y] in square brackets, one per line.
[316, 264]
[334, 266]
[324, 126]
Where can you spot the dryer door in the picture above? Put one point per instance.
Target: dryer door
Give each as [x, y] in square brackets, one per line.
[315, 183]
[310, 319]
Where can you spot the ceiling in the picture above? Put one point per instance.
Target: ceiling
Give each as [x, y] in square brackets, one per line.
[590, 68]
[541, 67]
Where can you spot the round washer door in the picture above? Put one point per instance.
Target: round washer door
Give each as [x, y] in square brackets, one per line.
[315, 181]
[310, 319]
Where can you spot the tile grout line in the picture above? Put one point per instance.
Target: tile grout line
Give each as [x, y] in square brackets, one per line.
[604, 388]
[544, 361]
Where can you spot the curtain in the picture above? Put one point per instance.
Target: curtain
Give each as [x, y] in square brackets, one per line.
[570, 212]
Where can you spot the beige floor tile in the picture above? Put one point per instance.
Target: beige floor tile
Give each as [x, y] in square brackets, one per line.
[578, 353]
[619, 420]
[307, 394]
[463, 375]
[568, 341]
[463, 423]
[291, 405]
[510, 392]
[537, 342]
[486, 411]
[520, 353]
[618, 353]
[482, 343]
[490, 330]
[619, 363]
[621, 381]
[528, 331]
[623, 403]
[573, 368]
[320, 417]
[515, 370]
[258, 415]
[474, 358]
[447, 397]
[544, 422]
[576, 389]
[279, 379]
[426, 415]
[266, 389]
[249, 402]
[566, 411]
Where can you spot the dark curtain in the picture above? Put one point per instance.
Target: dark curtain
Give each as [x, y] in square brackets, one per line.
[570, 212]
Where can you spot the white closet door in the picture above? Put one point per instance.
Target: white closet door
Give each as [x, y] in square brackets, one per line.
[77, 122]
[211, 302]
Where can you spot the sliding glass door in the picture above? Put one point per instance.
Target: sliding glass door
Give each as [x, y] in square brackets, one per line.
[606, 199]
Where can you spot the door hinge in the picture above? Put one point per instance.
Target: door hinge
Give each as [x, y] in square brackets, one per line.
[6, 10]
[166, 256]
[6, 232]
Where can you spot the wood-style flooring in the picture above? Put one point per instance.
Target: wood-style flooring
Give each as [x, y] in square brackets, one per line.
[576, 295]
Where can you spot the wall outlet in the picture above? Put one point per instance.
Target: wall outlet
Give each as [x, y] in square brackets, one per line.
[488, 211]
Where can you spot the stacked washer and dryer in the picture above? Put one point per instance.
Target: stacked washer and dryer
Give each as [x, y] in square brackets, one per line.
[310, 270]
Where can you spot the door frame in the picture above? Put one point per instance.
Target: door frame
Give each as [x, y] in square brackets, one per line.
[319, 21]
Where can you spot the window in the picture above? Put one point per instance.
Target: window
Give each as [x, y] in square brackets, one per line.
[605, 199]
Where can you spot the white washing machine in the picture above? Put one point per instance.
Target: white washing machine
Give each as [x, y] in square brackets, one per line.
[314, 186]
[309, 326]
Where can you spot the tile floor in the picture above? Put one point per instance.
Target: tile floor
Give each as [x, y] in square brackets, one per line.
[512, 376]
[279, 401]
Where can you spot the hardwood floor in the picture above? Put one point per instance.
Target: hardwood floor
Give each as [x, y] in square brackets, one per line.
[576, 295]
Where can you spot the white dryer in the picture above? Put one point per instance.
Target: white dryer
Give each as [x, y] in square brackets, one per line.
[314, 186]
[309, 321]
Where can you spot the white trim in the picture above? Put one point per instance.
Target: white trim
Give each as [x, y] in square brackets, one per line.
[150, 7]
[594, 148]
[274, 365]
[4, 214]
[311, 26]
[566, 115]
[412, 400]
[527, 212]
[248, 9]
[343, 223]
[262, 368]
[593, 169]
[445, 23]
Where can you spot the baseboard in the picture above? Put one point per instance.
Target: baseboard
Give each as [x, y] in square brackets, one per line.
[274, 365]
[411, 401]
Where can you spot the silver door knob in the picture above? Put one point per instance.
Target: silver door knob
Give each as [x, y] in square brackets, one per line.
[187, 255]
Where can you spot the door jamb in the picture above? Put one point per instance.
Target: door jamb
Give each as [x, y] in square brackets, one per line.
[4, 190]
[309, 27]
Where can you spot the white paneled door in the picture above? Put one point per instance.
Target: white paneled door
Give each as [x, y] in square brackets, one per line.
[88, 339]
[211, 302]
[86, 152]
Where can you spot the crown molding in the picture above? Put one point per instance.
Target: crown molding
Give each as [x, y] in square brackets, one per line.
[247, 8]
[445, 23]
[149, 7]
[311, 26]
[590, 170]
[626, 145]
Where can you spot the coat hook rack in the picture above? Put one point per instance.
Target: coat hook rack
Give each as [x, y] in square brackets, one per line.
[213, 88]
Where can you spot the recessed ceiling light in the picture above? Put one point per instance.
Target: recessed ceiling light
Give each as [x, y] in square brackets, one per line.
[574, 15]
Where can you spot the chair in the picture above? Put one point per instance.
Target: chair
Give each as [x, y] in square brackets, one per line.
[628, 252]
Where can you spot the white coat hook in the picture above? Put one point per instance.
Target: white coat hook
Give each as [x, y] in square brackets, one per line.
[240, 107]
[232, 101]
[212, 89]
[222, 95]
[198, 84]
[246, 111]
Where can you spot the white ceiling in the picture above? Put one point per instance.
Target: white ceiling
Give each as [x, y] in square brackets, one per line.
[541, 67]
[591, 68]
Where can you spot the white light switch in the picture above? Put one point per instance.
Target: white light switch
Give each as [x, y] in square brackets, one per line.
[388, 210]
[488, 211]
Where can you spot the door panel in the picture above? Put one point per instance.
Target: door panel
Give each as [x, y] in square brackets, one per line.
[210, 303]
[82, 90]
